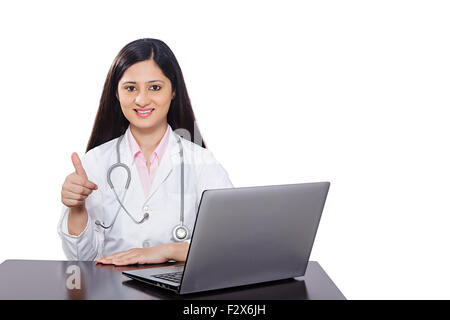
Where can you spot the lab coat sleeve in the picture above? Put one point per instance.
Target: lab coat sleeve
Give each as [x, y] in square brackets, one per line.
[82, 247]
[212, 175]
[87, 245]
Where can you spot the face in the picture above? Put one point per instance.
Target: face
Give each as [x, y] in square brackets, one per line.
[145, 93]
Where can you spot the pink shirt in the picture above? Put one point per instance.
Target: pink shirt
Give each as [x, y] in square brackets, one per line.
[147, 175]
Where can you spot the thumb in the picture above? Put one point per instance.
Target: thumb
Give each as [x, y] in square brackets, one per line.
[78, 166]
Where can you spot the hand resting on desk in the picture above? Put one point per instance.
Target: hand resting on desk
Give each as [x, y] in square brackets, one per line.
[158, 254]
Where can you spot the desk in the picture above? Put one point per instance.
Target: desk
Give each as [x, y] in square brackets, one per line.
[43, 279]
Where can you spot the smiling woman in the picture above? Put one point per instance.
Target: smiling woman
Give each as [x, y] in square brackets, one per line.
[143, 66]
[145, 103]
[144, 125]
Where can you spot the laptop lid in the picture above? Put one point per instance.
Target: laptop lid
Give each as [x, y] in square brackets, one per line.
[253, 234]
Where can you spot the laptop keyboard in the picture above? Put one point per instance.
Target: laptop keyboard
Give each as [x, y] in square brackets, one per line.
[174, 276]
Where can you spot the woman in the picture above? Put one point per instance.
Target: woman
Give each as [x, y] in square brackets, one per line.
[144, 108]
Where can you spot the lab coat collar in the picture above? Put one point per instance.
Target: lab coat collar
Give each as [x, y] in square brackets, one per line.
[157, 153]
[169, 159]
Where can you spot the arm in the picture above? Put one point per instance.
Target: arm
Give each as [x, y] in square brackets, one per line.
[80, 241]
[79, 244]
[77, 221]
[178, 251]
[211, 176]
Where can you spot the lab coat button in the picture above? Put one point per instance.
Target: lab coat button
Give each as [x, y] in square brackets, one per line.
[146, 244]
[146, 209]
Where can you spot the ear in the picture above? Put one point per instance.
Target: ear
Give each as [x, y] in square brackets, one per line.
[173, 94]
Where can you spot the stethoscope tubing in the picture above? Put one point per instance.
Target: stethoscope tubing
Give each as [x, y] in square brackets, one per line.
[179, 228]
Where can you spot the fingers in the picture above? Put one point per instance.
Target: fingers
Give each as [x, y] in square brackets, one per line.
[109, 258]
[73, 203]
[76, 187]
[78, 166]
[126, 260]
[80, 176]
[67, 194]
[119, 254]
[75, 179]
[79, 170]
[74, 195]
[121, 258]
[155, 254]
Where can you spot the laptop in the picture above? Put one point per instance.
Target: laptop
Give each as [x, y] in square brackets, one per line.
[246, 236]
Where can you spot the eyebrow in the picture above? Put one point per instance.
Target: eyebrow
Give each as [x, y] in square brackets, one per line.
[150, 81]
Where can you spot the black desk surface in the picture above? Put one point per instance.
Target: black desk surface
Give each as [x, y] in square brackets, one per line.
[44, 279]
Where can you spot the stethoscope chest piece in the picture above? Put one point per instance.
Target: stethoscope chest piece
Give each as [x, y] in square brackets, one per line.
[180, 233]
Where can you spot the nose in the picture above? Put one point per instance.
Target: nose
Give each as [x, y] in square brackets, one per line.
[143, 99]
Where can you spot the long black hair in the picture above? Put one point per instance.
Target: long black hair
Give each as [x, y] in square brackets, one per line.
[110, 122]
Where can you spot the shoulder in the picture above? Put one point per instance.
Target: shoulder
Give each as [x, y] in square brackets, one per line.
[197, 153]
[99, 155]
[211, 173]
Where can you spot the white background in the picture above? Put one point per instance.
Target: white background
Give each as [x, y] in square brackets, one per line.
[352, 92]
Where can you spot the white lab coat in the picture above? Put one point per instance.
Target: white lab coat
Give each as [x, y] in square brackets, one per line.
[201, 171]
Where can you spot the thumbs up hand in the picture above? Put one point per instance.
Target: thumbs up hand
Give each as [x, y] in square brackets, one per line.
[76, 187]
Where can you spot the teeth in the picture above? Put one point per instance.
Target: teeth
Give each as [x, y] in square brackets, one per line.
[148, 111]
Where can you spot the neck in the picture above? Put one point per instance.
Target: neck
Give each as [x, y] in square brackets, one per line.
[149, 138]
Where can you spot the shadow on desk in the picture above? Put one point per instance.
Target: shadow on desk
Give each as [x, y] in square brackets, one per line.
[289, 289]
[47, 279]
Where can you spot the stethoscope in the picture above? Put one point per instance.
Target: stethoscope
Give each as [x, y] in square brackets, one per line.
[180, 232]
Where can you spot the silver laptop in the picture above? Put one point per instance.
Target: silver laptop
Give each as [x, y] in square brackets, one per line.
[246, 236]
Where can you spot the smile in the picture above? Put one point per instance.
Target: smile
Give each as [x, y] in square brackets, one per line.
[144, 113]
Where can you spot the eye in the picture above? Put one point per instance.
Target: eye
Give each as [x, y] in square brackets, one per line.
[130, 88]
[155, 87]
